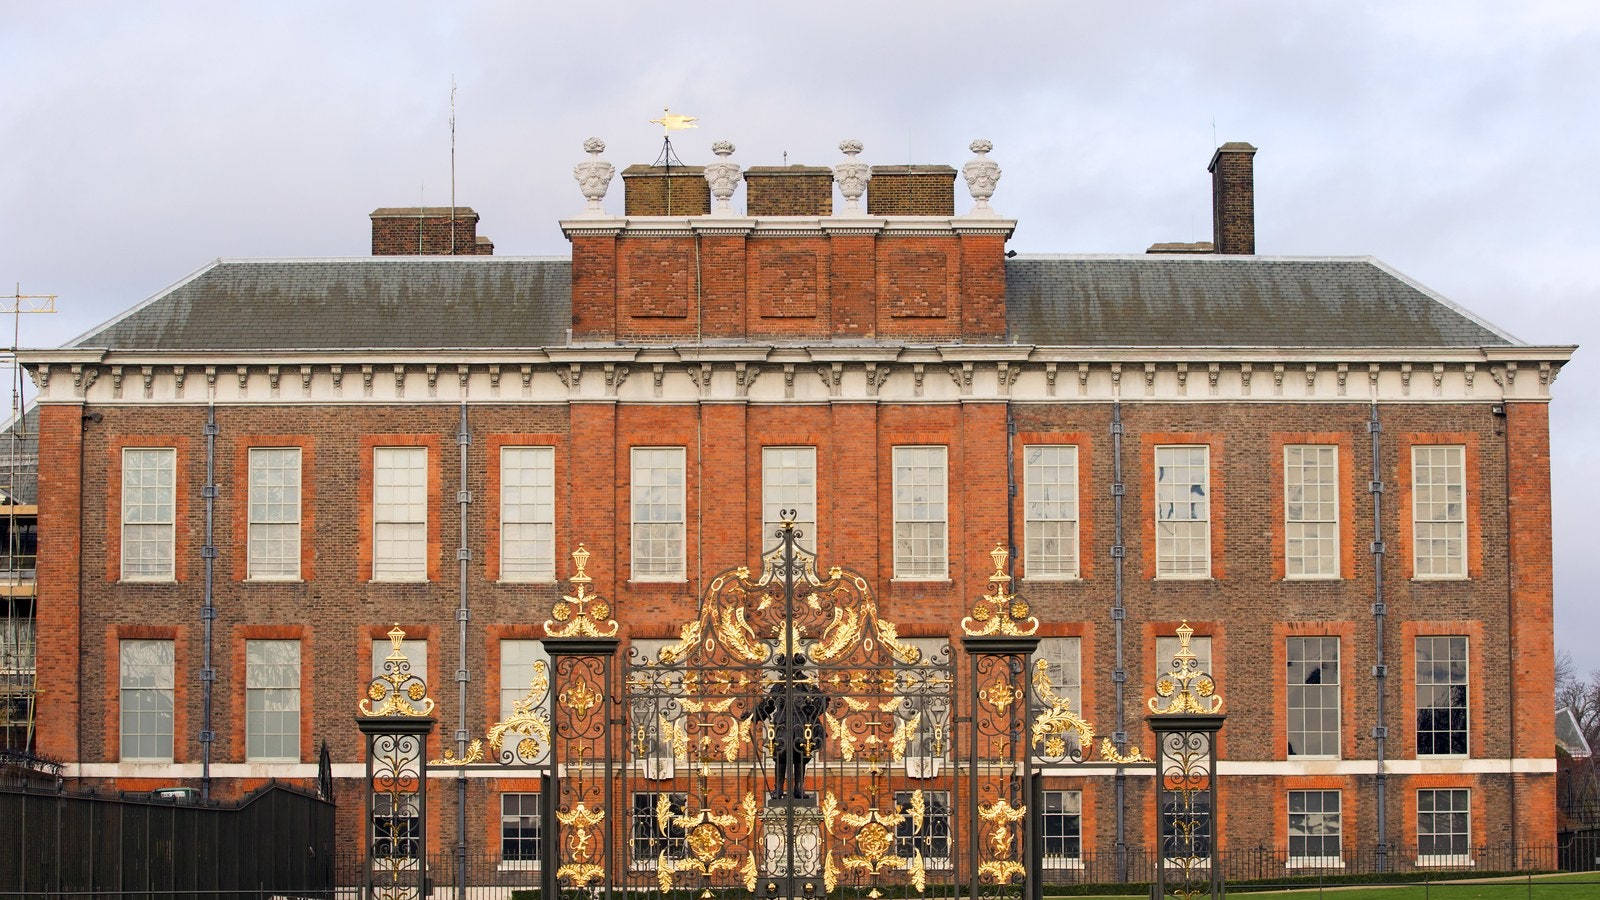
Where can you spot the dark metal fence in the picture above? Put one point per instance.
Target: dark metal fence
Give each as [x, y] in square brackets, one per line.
[276, 842]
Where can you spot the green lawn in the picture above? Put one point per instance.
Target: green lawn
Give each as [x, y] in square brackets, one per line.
[1579, 886]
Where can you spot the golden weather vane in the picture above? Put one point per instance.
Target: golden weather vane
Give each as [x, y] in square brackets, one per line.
[671, 121]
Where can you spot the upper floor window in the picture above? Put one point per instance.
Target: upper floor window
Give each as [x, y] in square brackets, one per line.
[1311, 511]
[149, 480]
[400, 514]
[272, 700]
[527, 514]
[1439, 511]
[1442, 696]
[921, 513]
[1313, 687]
[1167, 649]
[519, 664]
[789, 481]
[415, 652]
[146, 699]
[274, 538]
[658, 514]
[1183, 512]
[1050, 510]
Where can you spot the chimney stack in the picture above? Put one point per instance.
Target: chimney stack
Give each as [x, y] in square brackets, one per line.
[1233, 198]
[912, 191]
[426, 231]
[665, 191]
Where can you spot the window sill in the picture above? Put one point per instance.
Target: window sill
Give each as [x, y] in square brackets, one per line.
[274, 581]
[1056, 862]
[146, 760]
[1315, 862]
[1427, 578]
[550, 580]
[272, 761]
[1052, 579]
[1205, 577]
[1331, 579]
[1444, 756]
[1312, 757]
[918, 579]
[668, 580]
[168, 580]
[423, 580]
[1443, 861]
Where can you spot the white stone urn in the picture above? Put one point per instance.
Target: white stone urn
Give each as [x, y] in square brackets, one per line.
[723, 177]
[982, 174]
[594, 176]
[851, 175]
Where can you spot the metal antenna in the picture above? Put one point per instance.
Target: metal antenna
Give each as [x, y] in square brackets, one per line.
[452, 164]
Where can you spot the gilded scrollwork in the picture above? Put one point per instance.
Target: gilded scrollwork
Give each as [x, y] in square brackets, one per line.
[999, 612]
[397, 691]
[581, 870]
[1183, 688]
[580, 614]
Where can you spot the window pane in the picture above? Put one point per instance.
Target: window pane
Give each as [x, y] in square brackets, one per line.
[415, 652]
[527, 514]
[1444, 822]
[1441, 683]
[646, 841]
[272, 700]
[1183, 512]
[149, 480]
[1439, 511]
[1167, 648]
[519, 827]
[921, 527]
[274, 533]
[1311, 510]
[1315, 825]
[658, 513]
[933, 840]
[146, 675]
[1062, 823]
[1313, 692]
[1050, 505]
[789, 481]
[400, 514]
[519, 660]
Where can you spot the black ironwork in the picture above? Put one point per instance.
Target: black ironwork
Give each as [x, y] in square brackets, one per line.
[394, 721]
[1186, 805]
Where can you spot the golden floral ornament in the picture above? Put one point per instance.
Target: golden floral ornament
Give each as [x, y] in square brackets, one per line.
[397, 691]
[1000, 816]
[580, 614]
[580, 869]
[1064, 734]
[1184, 689]
[1000, 612]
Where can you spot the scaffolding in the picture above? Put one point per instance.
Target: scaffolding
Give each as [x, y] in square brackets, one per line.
[19, 498]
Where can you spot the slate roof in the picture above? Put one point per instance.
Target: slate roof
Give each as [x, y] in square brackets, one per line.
[19, 458]
[1147, 300]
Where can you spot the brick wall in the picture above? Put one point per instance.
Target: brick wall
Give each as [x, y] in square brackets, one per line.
[912, 191]
[788, 191]
[1233, 198]
[1249, 610]
[752, 286]
[656, 191]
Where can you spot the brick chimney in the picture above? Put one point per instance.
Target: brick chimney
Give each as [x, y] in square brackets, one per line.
[1233, 198]
[912, 191]
[660, 191]
[788, 191]
[426, 231]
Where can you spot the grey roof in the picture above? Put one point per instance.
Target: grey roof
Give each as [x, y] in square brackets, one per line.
[1240, 301]
[511, 302]
[377, 302]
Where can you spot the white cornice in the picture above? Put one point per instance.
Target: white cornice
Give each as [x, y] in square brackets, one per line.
[761, 226]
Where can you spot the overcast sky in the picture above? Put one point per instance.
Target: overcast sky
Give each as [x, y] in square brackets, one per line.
[1456, 141]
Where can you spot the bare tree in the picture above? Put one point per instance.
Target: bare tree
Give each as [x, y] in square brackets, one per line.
[1581, 694]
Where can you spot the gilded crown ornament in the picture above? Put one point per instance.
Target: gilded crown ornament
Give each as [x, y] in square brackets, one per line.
[396, 692]
[580, 614]
[1184, 689]
[1000, 612]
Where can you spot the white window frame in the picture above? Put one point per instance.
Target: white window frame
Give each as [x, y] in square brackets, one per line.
[1439, 518]
[1168, 521]
[668, 506]
[1303, 514]
[1317, 862]
[1062, 799]
[1417, 684]
[1445, 859]
[921, 518]
[1337, 686]
[521, 864]
[1043, 514]
[528, 514]
[789, 481]
[267, 514]
[134, 680]
[149, 519]
[282, 692]
[406, 506]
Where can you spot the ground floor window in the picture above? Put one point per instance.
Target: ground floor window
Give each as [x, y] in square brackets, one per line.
[519, 827]
[1315, 827]
[396, 826]
[1186, 832]
[1061, 823]
[1444, 825]
[647, 840]
[933, 839]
